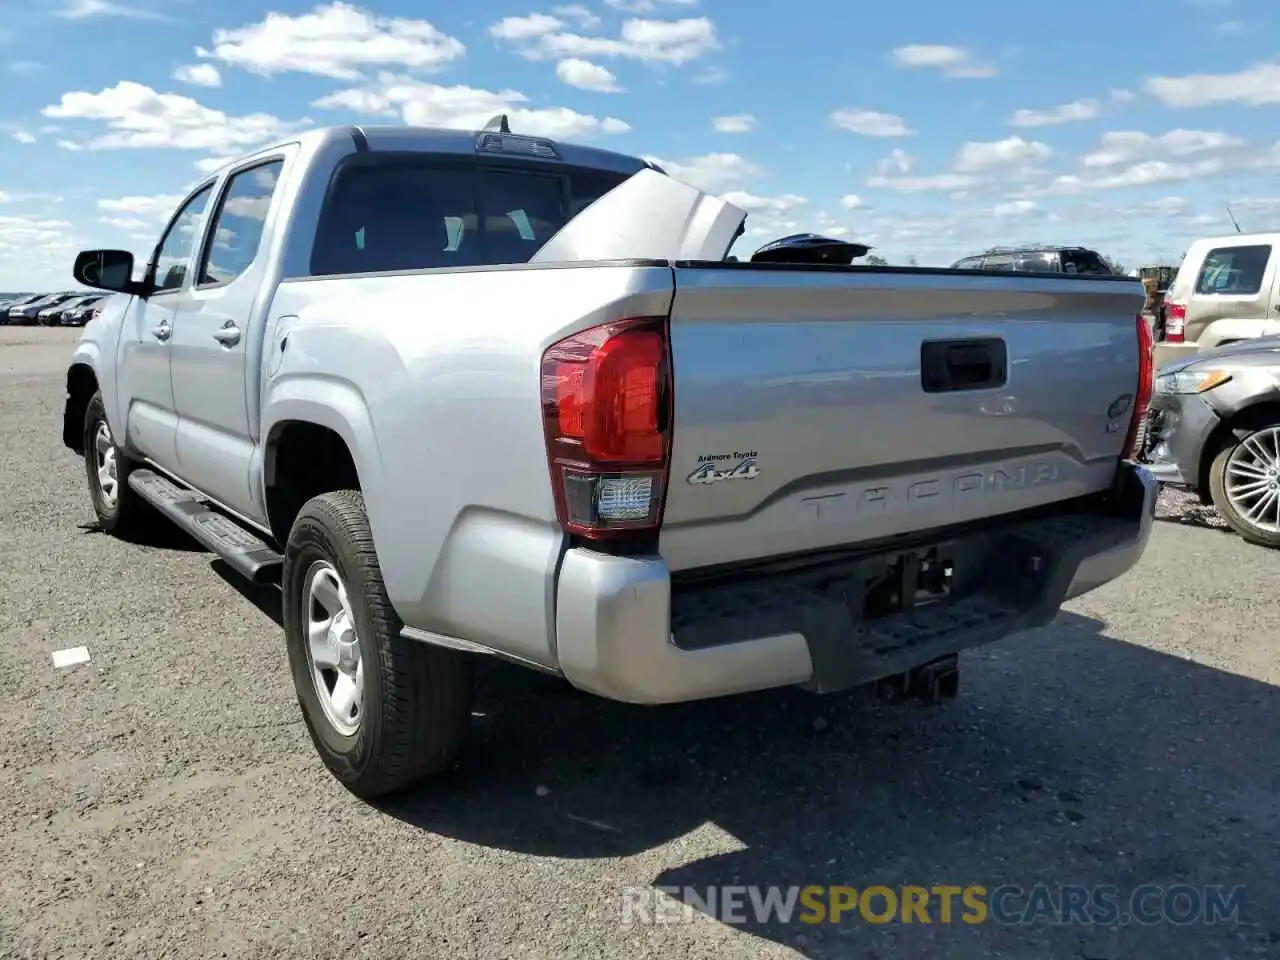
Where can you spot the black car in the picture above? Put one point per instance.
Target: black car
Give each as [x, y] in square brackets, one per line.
[81, 312]
[9, 312]
[1038, 259]
[51, 315]
[1214, 428]
[27, 314]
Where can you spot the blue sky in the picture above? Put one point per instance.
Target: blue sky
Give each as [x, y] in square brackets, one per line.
[927, 129]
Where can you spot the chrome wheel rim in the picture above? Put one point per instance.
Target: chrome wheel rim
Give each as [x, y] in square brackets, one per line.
[1253, 480]
[108, 471]
[333, 648]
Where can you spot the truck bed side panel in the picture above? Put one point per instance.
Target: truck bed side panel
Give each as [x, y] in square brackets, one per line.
[446, 365]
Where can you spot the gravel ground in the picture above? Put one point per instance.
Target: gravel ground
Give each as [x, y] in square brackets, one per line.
[163, 800]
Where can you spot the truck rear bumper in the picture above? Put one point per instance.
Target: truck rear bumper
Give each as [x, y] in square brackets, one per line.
[628, 630]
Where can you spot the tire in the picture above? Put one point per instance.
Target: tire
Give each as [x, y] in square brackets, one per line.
[124, 514]
[1244, 453]
[415, 706]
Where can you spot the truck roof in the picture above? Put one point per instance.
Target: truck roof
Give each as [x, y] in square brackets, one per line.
[447, 140]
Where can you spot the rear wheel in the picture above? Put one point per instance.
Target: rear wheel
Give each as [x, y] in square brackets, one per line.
[383, 712]
[1244, 481]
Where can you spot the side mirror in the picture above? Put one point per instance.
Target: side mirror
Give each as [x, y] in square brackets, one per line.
[107, 270]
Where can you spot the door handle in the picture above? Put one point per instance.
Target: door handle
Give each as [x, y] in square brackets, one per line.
[162, 332]
[228, 336]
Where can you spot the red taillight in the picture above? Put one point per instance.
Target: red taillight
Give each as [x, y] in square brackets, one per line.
[606, 406]
[1175, 321]
[1146, 384]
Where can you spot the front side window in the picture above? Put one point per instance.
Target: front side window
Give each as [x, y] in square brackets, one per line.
[174, 252]
[1234, 270]
[238, 225]
[419, 214]
[998, 263]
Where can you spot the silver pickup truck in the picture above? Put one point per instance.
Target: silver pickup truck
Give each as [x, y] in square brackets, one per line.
[476, 393]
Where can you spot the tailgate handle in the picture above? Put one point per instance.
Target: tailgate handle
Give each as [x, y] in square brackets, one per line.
[947, 366]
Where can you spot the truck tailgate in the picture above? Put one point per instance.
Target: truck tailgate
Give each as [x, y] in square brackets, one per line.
[821, 407]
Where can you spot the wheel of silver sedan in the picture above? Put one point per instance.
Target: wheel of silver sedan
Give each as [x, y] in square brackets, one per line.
[333, 648]
[108, 469]
[1252, 480]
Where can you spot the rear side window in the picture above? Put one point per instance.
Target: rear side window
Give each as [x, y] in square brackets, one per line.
[1086, 262]
[1233, 270]
[1036, 262]
[418, 214]
[998, 263]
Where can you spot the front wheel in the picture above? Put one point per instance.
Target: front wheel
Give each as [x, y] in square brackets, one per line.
[383, 712]
[1244, 481]
[120, 511]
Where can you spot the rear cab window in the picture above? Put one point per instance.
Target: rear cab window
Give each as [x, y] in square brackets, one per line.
[422, 211]
[1233, 271]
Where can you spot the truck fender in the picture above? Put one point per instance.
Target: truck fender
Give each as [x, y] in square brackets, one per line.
[336, 405]
[85, 364]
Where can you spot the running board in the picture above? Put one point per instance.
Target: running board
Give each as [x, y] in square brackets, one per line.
[243, 551]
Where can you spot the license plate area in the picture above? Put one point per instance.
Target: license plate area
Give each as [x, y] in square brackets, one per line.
[910, 580]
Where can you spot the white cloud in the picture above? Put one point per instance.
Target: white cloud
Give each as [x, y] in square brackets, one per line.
[713, 172]
[1256, 86]
[1147, 173]
[1065, 113]
[676, 42]
[1127, 146]
[91, 9]
[851, 201]
[514, 29]
[735, 123]
[141, 209]
[1123, 96]
[35, 252]
[1229, 28]
[869, 123]
[1017, 208]
[646, 6]
[897, 162]
[922, 184]
[465, 108]
[1009, 152]
[126, 224]
[953, 62]
[753, 204]
[139, 117]
[24, 68]
[69, 145]
[198, 75]
[1164, 207]
[579, 14]
[586, 75]
[23, 137]
[711, 76]
[334, 40]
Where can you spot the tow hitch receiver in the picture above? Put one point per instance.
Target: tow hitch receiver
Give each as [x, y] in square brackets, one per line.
[930, 683]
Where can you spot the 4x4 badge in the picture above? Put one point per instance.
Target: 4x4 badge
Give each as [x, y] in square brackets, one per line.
[744, 469]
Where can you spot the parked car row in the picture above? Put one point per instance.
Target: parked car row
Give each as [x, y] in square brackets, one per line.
[69, 308]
